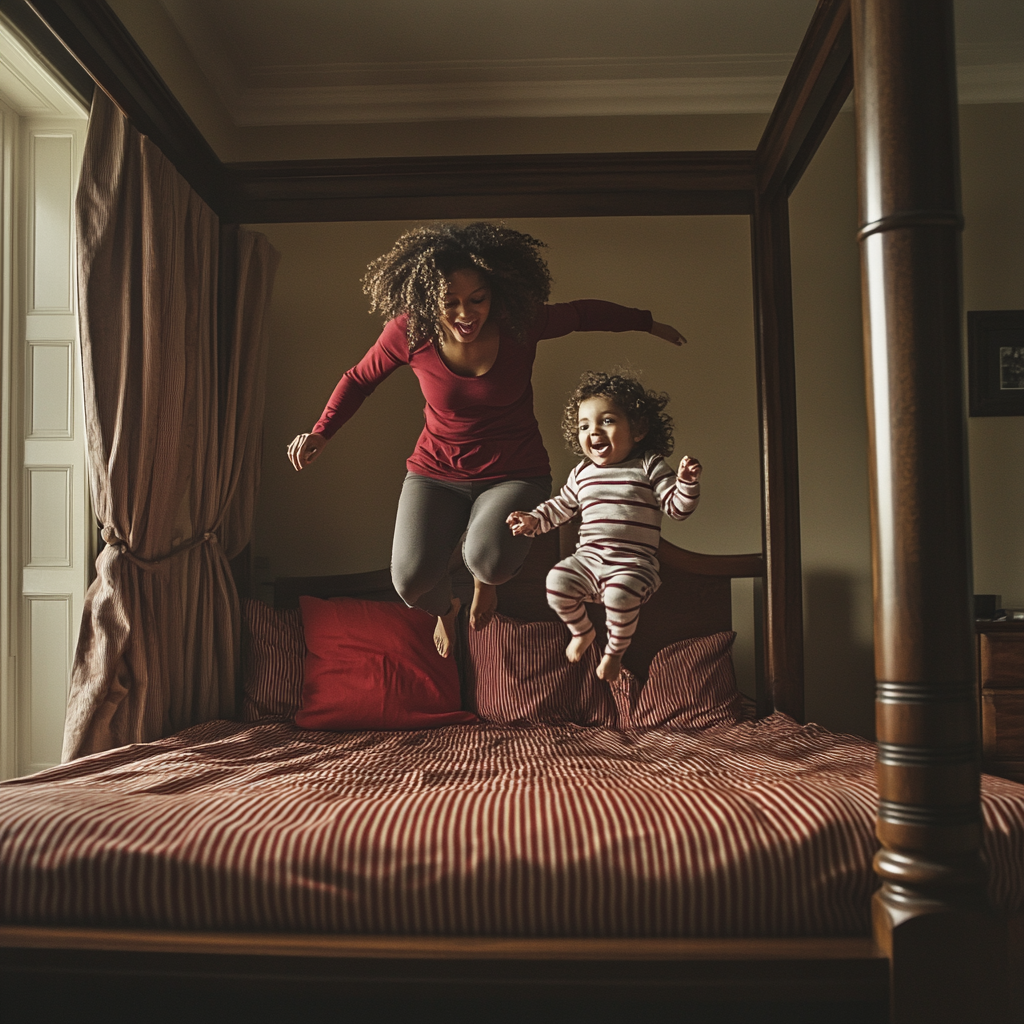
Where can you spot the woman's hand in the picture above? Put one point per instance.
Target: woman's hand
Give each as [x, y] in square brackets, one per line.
[667, 333]
[523, 524]
[689, 470]
[304, 449]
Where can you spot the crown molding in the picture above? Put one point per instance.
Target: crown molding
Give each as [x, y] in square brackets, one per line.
[257, 106]
[360, 104]
[533, 69]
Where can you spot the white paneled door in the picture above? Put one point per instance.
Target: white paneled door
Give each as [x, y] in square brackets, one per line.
[46, 531]
[55, 521]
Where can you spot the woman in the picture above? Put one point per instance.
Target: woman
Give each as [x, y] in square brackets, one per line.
[465, 309]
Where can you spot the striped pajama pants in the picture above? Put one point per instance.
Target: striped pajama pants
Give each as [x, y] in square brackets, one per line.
[620, 588]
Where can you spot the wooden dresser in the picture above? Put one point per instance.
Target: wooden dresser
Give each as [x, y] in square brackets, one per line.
[1001, 683]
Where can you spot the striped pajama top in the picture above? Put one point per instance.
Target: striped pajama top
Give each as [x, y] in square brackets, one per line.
[621, 506]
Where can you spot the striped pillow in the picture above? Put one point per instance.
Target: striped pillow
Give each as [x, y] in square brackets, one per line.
[690, 685]
[517, 673]
[272, 661]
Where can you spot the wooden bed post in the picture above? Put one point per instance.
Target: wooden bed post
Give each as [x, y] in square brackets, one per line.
[817, 85]
[930, 914]
[780, 486]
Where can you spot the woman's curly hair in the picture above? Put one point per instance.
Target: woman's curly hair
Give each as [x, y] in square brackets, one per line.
[411, 278]
[643, 409]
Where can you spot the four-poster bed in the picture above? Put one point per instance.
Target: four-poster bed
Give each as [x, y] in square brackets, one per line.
[941, 951]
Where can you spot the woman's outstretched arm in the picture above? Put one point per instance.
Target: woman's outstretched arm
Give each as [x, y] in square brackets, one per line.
[562, 318]
[390, 351]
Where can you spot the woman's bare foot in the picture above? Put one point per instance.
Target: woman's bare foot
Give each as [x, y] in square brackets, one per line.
[485, 604]
[579, 644]
[444, 631]
[609, 668]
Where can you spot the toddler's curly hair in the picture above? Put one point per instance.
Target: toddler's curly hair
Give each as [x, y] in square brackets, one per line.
[643, 409]
[411, 277]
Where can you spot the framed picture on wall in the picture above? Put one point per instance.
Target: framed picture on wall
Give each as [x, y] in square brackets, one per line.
[995, 355]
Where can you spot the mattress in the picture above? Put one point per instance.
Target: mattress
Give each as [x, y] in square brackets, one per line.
[755, 829]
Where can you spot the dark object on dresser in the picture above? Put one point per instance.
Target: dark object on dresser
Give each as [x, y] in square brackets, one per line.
[995, 348]
[1001, 690]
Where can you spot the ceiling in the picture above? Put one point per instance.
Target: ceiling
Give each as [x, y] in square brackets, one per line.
[279, 62]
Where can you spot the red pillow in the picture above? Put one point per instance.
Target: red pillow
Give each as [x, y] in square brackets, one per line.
[373, 665]
[273, 655]
[518, 673]
[690, 685]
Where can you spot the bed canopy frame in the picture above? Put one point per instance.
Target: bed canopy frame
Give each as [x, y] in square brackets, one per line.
[940, 950]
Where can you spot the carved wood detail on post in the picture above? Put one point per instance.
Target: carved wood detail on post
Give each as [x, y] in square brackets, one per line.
[930, 913]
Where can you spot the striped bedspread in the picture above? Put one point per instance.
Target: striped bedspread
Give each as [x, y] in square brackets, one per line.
[762, 828]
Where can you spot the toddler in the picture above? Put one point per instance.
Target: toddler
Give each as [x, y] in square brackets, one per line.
[621, 488]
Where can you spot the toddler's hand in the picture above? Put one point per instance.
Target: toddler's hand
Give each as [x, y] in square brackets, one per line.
[522, 524]
[689, 470]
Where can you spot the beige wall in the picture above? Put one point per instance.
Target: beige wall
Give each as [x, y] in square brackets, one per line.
[832, 426]
[695, 273]
[992, 148]
[692, 272]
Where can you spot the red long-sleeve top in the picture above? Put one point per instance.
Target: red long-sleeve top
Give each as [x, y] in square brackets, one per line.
[476, 428]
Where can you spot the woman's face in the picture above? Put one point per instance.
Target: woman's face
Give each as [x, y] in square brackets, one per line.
[465, 306]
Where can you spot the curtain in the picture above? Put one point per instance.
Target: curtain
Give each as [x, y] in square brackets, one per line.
[174, 365]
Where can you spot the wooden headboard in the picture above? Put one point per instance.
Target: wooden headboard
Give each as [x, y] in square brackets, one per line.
[695, 598]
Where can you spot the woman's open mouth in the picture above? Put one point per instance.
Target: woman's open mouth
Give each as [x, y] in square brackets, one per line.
[465, 329]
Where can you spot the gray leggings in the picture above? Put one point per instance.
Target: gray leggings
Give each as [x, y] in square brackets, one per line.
[434, 514]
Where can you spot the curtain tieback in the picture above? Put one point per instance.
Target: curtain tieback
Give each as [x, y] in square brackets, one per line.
[110, 537]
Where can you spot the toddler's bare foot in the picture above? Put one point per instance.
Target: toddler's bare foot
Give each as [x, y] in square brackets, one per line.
[578, 644]
[444, 631]
[609, 668]
[485, 604]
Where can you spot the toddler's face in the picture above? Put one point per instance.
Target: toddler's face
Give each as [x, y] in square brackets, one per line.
[606, 435]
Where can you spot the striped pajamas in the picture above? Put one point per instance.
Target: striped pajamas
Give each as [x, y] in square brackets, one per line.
[616, 559]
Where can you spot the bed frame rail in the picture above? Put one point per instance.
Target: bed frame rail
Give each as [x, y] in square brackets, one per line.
[590, 978]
